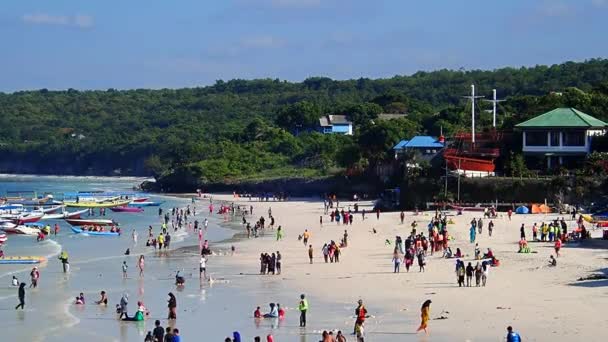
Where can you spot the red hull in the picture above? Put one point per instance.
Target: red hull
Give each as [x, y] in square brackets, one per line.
[141, 199]
[469, 164]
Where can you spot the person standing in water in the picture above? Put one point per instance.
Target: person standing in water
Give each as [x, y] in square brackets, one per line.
[21, 295]
[279, 234]
[172, 305]
[360, 315]
[425, 313]
[303, 307]
[64, 261]
[310, 253]
[134, 236]
[34, 275]
[203, 267]
[124, 270]
[140, 265]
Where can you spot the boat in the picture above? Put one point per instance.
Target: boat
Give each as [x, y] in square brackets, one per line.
[126, 209]
[90, 222]
[52, 210]
[21, 230]
[27, 218]
[3, 238]
[86, 232]
[110, 204]
[473, 154]
[141, 199]
[145, 204]
[64, 215]
[22, 259]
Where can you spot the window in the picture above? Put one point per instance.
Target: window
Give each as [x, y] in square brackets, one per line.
[554, 138]
[536, 138]
[574, 138]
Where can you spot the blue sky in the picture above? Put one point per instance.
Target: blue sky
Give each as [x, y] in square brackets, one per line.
[82, 44]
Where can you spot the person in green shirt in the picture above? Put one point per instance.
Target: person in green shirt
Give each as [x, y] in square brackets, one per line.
[303, 307]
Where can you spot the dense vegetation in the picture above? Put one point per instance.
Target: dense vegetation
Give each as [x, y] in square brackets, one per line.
[259, 129]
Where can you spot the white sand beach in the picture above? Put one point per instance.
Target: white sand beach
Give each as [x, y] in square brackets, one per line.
[542, 303]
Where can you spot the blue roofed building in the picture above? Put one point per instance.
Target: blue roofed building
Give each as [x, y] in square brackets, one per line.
[423, 145]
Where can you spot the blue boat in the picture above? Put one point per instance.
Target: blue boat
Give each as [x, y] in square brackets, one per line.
[86, 232]
[145, 204]
[22, 260]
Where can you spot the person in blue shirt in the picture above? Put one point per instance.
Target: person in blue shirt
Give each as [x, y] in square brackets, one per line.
[176, 337]
[512, 336]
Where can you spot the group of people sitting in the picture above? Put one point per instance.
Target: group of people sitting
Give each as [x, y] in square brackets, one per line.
[276, 311]
[96, 228]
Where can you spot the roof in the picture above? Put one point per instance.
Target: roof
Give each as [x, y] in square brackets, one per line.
[329, 120]
[419, 141]
[563, 117]
[339, 119]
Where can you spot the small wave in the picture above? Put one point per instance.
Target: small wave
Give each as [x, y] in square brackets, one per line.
[71, 321]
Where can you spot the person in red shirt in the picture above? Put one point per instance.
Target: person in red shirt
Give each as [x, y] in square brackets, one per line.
[281, 312]
[257, 313]
[558, 246]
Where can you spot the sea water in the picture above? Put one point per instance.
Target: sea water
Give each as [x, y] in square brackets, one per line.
[207, 310]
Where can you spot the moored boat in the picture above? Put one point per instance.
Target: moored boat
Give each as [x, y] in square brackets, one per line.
[126, 209]
[97, 204]
[459, 208]
[21, 230]
[145, 204]
[141, 199]
[90, 222]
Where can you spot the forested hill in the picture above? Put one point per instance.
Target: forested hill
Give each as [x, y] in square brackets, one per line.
[245, 129]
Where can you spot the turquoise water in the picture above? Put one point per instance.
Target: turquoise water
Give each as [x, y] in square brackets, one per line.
[207, 311]
[95, 265]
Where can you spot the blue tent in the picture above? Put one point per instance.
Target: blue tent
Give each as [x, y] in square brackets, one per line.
[522, 210]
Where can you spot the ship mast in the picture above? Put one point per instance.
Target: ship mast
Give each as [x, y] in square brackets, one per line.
[494, 101]
[472, 97]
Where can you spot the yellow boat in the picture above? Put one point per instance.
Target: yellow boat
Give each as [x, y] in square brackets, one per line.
[97, 204]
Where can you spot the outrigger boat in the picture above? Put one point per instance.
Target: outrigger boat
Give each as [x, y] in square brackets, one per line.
[97, 204]
[21, 230]
[79, 230]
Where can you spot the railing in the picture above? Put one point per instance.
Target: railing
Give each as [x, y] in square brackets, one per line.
[479, 151]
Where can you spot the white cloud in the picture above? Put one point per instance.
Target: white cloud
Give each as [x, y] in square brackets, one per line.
[79, 20]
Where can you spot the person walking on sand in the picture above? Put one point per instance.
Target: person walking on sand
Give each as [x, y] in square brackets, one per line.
[472, 233]
[402, 216]
[278, 262]
[279, 234]
[558, 246]
[396, 261]
[305, 237]
[140, 265]
[21, 295]
[522, 232]
[310, 253]
[421, 260]
[490, 228]
[469, 271]
[425, 313]
[303, 307]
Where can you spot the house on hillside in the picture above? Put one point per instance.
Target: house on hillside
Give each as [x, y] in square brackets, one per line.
[338, 124]
[425, 146]
[561, 137]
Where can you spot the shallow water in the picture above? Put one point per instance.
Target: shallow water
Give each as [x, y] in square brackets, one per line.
[207, 311]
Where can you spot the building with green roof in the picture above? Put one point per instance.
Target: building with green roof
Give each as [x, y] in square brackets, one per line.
[559, 137]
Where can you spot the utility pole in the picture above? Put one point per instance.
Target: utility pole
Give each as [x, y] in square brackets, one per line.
[472, 97]
[459, 180]
[494, 101]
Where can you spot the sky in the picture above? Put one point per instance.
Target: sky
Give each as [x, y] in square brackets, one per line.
[86, 44]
